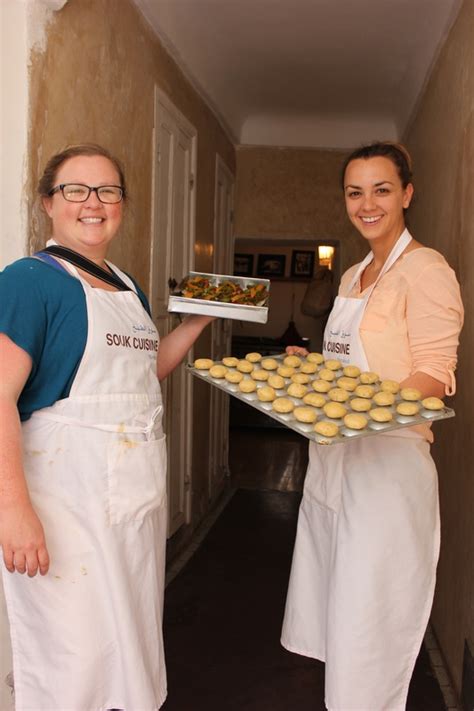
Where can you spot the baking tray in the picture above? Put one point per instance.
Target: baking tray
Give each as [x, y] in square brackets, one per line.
[221, 309]
[345, 435]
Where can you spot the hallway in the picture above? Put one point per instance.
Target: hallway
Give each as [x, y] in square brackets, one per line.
[223, 611]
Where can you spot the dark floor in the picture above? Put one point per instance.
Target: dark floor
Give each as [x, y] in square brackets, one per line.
[223, 612]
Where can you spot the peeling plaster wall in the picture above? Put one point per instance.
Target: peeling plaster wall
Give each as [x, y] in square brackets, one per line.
[441, 140]
[94, 82]
[13, 130]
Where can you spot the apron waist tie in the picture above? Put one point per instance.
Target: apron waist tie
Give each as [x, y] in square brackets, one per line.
[119, 428]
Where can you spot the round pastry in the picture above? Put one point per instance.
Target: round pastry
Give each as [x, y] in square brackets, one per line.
[408, 408]
[282, 404]
[233, 376]
[253, 357]
[259, 374]
[314, 399]
[266, 393]
[321, 386]
[315, 358]
[292, 361]
[390, 386]
[230, 361]
[326, 374]
[384, 398]
[338, 395]
[217, 371]
[351, 371]
[300, 378]
[327, 429]
[269, 364]
[432, 403]
[334, 410]
[347, 383]
[309, 368]
[276, 381]
[244, 366]
[380, 414]
[410, 394]
[364, 391]
[355, 421]
[285, 371]
[360, 404]
[368, 378]
[297, 390]
[203, 363]
[333, 364]
[247, 385]
[305, 414]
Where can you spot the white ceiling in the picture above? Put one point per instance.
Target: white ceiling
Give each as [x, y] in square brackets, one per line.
[322, 73]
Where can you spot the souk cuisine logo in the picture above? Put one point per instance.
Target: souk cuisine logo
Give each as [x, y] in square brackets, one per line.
[140, 343]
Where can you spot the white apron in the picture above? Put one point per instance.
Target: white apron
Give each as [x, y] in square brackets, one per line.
[363, 572]
[88, 635]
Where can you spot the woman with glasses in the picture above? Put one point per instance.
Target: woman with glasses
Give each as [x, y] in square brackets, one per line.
[82, 455]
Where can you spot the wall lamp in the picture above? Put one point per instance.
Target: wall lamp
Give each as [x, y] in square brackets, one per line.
[325, 256]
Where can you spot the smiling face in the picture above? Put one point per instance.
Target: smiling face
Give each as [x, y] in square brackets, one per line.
[375, 199]
[86, 227]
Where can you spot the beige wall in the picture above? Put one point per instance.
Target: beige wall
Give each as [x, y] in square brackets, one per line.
[292, 195]
[95, 82]
[441, 140]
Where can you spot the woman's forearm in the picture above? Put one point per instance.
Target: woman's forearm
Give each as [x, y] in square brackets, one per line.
[21, 533]
[175, 345]
[13, 489]
[426, 384]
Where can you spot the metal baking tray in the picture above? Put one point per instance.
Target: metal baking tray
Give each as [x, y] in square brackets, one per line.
[345, 435]
[221, 309]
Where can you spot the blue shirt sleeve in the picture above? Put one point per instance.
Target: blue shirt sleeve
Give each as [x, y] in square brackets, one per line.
[23, 316]
[43, 311]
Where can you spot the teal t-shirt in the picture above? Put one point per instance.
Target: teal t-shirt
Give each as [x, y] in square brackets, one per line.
[43, 310]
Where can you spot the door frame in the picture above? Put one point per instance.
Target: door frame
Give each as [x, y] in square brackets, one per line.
[162, 99]
[221, 167]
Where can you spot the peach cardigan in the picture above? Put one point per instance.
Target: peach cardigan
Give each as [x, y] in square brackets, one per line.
[412, 320]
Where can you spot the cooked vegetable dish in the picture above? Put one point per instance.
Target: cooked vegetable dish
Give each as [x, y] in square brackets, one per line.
[198, 287]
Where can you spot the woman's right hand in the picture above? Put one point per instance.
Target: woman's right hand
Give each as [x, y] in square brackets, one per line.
[296, 350]
[22, 539]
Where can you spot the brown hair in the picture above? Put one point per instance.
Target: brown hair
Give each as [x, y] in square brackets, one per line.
[48, 179]
[395, 152]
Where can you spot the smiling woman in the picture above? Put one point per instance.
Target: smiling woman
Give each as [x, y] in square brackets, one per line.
[83, 454]
[368, 530]
[85, 219]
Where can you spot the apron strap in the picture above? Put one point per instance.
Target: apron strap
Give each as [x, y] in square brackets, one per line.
[400, 245]
[86, 265]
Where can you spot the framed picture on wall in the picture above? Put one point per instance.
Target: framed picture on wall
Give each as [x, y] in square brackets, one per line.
[271, 265]
[243, 264]
[302, 264]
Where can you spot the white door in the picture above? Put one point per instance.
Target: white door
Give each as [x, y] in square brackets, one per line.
[172, 256]
[221, 328]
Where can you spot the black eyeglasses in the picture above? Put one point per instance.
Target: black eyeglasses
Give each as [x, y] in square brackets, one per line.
[76, 192]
